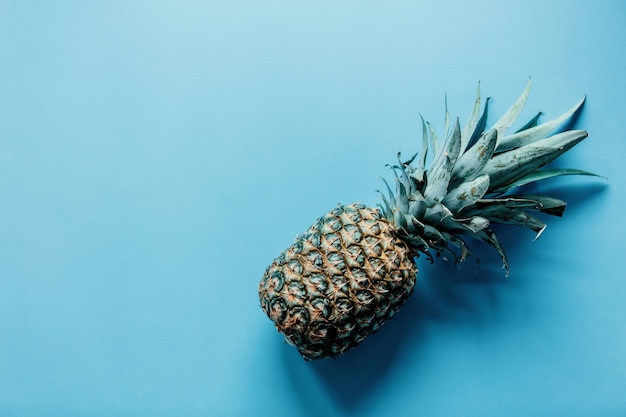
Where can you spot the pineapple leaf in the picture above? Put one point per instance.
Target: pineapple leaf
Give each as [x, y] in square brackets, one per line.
[531, 123]
[392, 198]
[507, 120]
[385, 207]
[467, 225]
[433, 236]
[459, 243]
[506, 168]
[545, 204]
[470, 127]
[470, 164]
[417, 205]
[440, 173]
[419, 174]
[415, 239]
[405, 176]
[489, 237]
[434, 141]
[480, 126]
[487, 207]
[517, 218]
[533, 134]
[402, 198]
[548, 173]
[466, 194]
[436, 213]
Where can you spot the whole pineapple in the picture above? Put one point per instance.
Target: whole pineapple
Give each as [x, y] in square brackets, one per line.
[355, 266]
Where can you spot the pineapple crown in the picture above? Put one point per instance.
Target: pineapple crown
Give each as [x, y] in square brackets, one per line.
[470, 181]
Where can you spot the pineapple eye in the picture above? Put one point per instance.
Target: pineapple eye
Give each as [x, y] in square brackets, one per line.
[297, 246]
[364, 297]
[343, 306]
[315, 239]
[281, 259]
[356, 218]
[297, 290]
[297, 319]
[393, 258]
[319, 332]
[351, 234]
[340, 285]
[322, 307]
[382, 287]
[275, 282]
[319, 283]
[377, 265]
[357, 258]
[359, 279]
[335, 225]
[277, 310]
[365, 320]
[399, 295]
[374, 228]
[336, 260]
[382, 309]
[376, 247]
[316, 260]
[331, 242]
[295, 266]
[345, 326]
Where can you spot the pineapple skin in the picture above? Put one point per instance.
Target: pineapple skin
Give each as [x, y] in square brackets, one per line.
[338, 282]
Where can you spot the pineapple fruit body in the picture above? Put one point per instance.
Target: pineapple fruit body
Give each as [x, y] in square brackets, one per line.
[339, 281]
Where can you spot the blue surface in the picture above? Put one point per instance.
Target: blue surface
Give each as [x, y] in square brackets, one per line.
[156, 156]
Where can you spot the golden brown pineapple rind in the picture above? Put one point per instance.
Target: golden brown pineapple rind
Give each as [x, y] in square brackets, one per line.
[338, 282]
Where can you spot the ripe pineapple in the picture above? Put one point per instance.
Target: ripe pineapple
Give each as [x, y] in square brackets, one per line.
[354, 267]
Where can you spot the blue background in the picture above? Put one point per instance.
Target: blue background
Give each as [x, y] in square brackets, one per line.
[155, 156]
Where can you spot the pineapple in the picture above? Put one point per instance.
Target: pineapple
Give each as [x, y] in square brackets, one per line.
[352, 270]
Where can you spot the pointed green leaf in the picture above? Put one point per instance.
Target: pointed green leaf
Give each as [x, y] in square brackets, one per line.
[459, 243]
[436, 213]
[466, 194]
[489, 237]
[507, 120]
[543, 174]
[418, 173]
[531, 123]
[480, 127]
[466, 225]
[470, 127]
[517, 218]
[545, 204]
[434, 141]
[533, 134]
[417, 205]
[404, 178]
[470, 164]
[402, 198]
[440, 173]
[508, 167]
